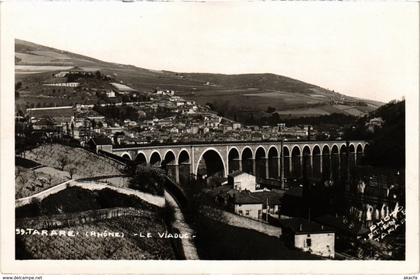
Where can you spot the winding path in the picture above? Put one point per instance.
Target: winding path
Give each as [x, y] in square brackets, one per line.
[190, 251]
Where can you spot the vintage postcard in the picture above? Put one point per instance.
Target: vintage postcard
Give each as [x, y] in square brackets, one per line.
[209, 137]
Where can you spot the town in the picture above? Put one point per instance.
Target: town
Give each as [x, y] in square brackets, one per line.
[127, 116]
[301, 185]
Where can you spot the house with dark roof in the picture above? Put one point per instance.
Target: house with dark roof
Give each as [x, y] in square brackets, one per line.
[254, 204]
[100, 143]
[245, 204]
[309, 236]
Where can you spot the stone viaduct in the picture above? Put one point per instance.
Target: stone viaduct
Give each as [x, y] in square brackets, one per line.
[266, 159]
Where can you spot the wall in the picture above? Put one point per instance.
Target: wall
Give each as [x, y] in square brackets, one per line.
[240, 221]
[106, 148]
[75, 219]
[320, 241]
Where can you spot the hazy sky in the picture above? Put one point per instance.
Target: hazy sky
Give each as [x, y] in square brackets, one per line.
[367, 50]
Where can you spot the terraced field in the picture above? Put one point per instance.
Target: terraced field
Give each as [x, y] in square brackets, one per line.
[79, 211]
[83, 163]
[50, 165]
[29, 182]
[80, 246]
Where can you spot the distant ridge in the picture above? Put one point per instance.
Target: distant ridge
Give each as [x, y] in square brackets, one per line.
[234, 93]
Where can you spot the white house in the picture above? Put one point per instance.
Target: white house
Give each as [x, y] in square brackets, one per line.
[255, 204]
[310, 236]
[250, 210]
[236, 126]
[242, 181]
[248, 205]
[110, 93]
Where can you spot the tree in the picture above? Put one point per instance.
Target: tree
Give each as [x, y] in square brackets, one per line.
[197, 199]
[211, 106]
[49, 179]
[72, 129]
[21, 176]
[270, 109]
[18, 173]
[18, 85]
[72, 170]
[42, 182]
[98, 74]
[147, 179]
[62, 161]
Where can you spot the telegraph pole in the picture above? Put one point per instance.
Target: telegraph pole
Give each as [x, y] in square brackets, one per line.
[282, 164]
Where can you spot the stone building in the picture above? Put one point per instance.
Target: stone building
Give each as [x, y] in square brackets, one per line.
[242, 181]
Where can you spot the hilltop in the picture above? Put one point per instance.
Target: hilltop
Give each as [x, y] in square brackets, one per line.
[229, 95]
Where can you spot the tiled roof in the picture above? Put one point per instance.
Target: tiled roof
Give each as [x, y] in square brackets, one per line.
[236, 173]
[295, 191]
[302, 226]
[245, 197]
[102, 141]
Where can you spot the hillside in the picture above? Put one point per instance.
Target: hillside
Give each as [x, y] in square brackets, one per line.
[228, 94]
[385, 130]
[84, 212]
[49, 165]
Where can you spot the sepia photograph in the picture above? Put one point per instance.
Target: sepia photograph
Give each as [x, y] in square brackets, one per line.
[211, 131]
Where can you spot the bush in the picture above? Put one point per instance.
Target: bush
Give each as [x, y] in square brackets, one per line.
[167, 214]
[148, 179]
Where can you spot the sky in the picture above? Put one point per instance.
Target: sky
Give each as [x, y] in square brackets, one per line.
[361, 49]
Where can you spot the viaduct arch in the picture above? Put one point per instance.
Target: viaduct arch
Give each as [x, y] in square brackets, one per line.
[269, 159]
